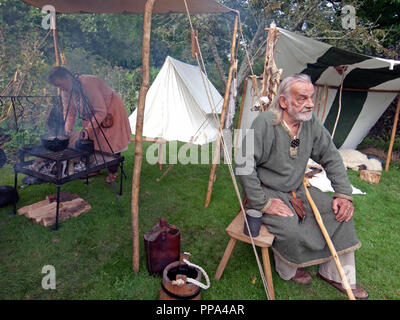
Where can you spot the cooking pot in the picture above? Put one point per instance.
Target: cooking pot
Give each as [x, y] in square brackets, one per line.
[8, 195]
[55, 143]
[3, 158]
[85, 145]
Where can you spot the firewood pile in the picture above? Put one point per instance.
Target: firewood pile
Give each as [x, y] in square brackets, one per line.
[44, 212]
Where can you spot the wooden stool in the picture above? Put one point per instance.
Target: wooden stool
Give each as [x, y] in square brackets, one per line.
[264, 241]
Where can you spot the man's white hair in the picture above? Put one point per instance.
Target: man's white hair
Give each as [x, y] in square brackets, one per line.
[284, 90]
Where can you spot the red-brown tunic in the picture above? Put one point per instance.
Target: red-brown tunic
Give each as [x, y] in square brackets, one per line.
[103, 100]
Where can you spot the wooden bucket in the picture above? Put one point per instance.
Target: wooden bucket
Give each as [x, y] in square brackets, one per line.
[174, 284]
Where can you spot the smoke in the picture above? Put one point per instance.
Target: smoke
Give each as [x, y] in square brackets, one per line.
[56, 122]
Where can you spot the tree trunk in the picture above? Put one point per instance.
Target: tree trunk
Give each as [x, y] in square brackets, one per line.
[217, 58]
[258, 38]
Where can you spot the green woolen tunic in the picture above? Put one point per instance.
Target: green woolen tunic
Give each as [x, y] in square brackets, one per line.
[274, 168]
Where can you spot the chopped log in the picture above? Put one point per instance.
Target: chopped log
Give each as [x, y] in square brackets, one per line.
[44, 212]
[70, 209]
[26, 209]
[372, 176]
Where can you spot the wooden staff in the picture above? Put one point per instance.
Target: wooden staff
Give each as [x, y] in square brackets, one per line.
[148, 8]
[328, 241]
[394, 129]
[232, 69]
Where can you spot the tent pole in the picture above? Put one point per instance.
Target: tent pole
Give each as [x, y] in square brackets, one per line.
[241, 113]
[232, 68]
[56, 47]
[148, 8]
[394, 129]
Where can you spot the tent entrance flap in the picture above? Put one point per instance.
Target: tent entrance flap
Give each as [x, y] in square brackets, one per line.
[370, 84]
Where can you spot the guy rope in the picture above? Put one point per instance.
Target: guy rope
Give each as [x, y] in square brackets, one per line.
[225, 149]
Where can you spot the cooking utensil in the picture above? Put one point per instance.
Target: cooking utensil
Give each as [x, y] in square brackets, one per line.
[55, 143]
[85, 145]
[3, 158]
[8, 195]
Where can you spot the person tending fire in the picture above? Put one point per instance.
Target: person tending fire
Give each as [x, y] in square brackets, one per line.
[104, 118]
[285, 138]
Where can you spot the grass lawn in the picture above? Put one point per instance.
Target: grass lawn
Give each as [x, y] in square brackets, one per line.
[92, 253]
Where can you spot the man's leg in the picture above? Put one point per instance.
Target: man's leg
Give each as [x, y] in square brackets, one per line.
[329, 270]
[287, 272]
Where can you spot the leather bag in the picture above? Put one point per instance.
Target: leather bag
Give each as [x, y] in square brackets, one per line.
[162, 245]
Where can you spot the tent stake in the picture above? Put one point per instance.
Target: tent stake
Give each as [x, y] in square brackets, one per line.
[394, 129]
[232, 68]
[139, 131]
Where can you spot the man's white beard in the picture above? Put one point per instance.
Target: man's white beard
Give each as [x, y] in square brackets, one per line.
[302, 116]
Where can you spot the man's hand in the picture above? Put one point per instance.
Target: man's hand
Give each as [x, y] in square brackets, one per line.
[343, 209]
[279, 208]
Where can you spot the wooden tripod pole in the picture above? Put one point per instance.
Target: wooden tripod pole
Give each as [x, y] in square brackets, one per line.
[328, 240]
[56, 50]
[223, 113]
[139, 132]
[394, 129]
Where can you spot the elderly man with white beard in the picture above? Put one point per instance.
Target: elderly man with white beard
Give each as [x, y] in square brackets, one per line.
[285, 138]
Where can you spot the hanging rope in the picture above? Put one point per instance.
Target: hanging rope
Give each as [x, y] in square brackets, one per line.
[341, 71]
[227, 156]
[326, 100]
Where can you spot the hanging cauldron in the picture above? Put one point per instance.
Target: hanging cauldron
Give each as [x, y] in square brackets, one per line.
[177, 282]
[55, 143]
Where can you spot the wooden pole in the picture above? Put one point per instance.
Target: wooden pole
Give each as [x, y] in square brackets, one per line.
[55, 40]
[232, 68]
[56, 47]
[271, 74]
[358, 90]
[241, 113]
[328, 241]
[148, 8]
[326, 100]
[394, 129]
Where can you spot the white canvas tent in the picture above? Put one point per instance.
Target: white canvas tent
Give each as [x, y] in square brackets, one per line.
[180, 105]
[369, 85]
